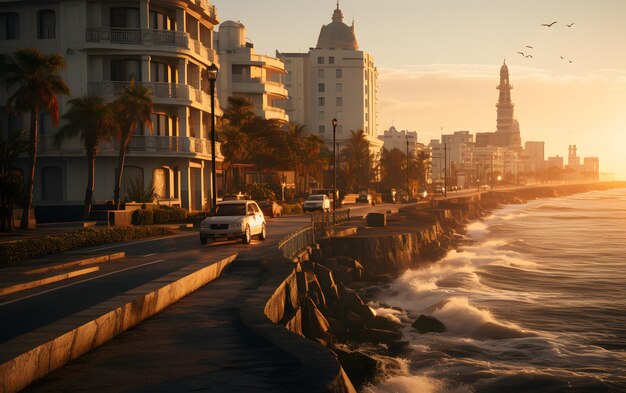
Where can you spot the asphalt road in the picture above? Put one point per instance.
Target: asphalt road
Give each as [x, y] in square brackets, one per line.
[146, 260]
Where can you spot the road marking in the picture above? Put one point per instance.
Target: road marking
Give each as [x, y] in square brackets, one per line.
[138, 242]
[149, 255]
[79, 282]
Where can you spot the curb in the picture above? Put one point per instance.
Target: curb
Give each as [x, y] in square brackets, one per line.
[27, 362]
[45, 281]
[79, 262]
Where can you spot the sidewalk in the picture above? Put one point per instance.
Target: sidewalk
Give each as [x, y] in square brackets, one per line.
[199, 344]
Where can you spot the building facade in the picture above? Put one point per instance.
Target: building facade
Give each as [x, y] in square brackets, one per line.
[162, 44]
[334, 80]
[243, 72]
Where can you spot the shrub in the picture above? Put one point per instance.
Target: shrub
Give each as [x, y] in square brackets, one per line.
[161, 216]
[38, 247]
[178, 215]
[169, 215]
[143, 217]
[294, 208]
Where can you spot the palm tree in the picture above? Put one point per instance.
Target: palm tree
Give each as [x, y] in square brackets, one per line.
[295, 146]
[357, 160]
[133, 109]
[11, 182]
[240, 110]
[234, 147]
[38, 83]
[91, 119]
[314, 158]
[393, 168]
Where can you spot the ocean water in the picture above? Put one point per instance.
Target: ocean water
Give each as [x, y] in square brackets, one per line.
[534, 300]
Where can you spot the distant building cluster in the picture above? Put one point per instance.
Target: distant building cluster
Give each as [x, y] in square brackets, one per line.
[168, 47]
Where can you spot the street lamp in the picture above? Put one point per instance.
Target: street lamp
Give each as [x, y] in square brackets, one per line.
[408, 193]
[212, 71]
[335, 122]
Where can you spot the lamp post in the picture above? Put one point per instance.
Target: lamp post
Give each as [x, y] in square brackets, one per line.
[445, 170]
[212, 75]
[334, 122]
[408, 192]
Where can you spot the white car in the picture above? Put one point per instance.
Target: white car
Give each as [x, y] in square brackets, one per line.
[319, 202]
[234, 219]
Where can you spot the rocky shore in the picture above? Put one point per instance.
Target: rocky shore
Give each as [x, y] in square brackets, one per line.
[322, 298]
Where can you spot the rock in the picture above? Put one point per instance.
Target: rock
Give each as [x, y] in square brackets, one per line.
[338, 328]
[327, 282]
[399, 348]
[380, 322]
[349, 262]
[314, 323]
[425, 324]
[361, 368]
[354, 321]
[295, 323]
[379, 336]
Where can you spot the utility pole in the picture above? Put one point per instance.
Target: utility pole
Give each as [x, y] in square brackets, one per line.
[492, 171]
[445, 170]
[407, 165]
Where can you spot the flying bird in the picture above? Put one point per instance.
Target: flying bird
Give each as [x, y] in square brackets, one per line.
[570, 25]
[549, 24]
[571, 61]
[528, 46]
[562, 58]
[531, 56]
[521, 53]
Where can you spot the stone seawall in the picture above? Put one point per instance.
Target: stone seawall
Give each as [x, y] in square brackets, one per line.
[315, 300]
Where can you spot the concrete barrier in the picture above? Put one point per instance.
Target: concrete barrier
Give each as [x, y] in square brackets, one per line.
[78, 262]
[45, 281]
[34, 355]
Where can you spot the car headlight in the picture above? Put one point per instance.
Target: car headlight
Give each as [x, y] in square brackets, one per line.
[205, 224]
[237, 223]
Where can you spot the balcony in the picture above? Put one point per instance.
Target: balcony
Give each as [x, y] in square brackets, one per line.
[159, 89]
[125, 36]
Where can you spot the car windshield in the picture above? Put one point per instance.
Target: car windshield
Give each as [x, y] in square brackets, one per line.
[316, 198]
[264, 203]
[238, 209]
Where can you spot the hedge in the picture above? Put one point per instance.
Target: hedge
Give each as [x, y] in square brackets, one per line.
[295, 208]
[38, 247]
[159, 216]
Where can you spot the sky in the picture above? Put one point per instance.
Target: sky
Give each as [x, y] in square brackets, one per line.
[439, 63]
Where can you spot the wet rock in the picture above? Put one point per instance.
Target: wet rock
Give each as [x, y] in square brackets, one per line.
[380, 322]
[354, 321]
[399, 348]
[425, 324]
[379, 336]
[361, 368]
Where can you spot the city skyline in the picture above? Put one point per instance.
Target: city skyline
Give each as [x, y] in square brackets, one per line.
[426, 84]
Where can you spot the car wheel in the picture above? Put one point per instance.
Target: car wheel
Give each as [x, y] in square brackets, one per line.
[263, 234]
[203, 240]
[246, 235]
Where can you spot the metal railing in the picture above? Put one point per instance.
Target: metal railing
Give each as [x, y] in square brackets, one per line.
[324, 220]
[296, 242]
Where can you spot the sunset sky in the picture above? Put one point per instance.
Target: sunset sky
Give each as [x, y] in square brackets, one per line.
[438, 63]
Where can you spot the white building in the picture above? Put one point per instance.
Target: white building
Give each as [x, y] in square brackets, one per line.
[454, 155]
[163, 44]
[334, 80]
[243, 72]
[394, 139]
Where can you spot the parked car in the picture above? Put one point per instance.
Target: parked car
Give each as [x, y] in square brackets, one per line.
[270, 208]
[439, 190]
[316, 202]
[365, 197]
[422, 194]
[234, 219]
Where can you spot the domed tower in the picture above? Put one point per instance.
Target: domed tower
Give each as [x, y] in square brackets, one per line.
[506, 125]
[337, 35]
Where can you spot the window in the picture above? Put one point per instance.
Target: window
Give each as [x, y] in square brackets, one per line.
[320, 60]
[12, 122]
[320, 74]
[125, 70]
[321, 88]
[161, 72]
[51, 184]
[321, 116]
[339, 101]
[9, 26]
[161, 124]
[321, 101]
[124, 17]
[338, 87]
[46, 24]
[339, 73]
[161, 21]
[322, 129]
[331, 60]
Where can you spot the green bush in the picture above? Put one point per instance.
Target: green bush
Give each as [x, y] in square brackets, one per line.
[143, 217]
[169, 215]
[294, 208]
[38, 247]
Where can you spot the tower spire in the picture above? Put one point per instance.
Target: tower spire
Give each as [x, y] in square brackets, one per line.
[337, 4]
